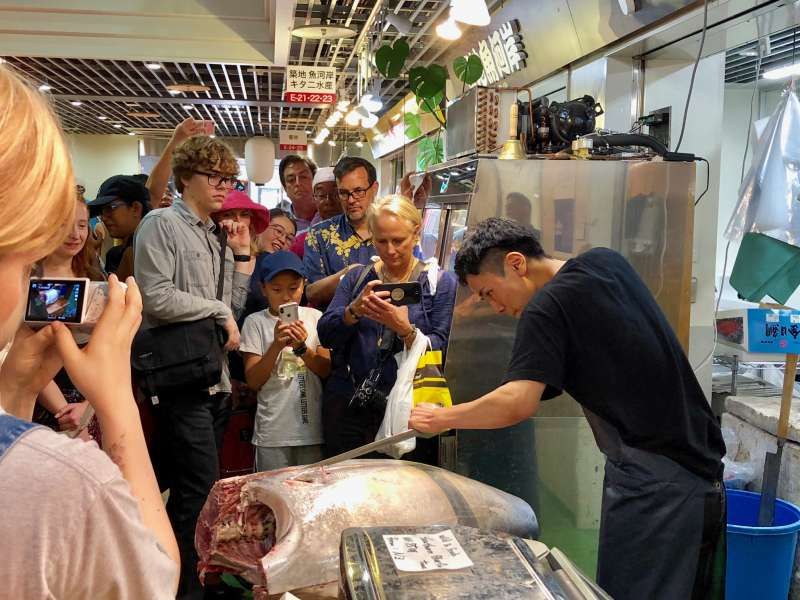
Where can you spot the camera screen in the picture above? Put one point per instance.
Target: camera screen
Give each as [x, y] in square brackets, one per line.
[53, 300]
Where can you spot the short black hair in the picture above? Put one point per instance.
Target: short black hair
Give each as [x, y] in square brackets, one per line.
[488, 245]
[279, 212]
[286, 161]
[348, 164]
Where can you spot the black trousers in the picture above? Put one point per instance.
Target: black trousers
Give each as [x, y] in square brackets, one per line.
[191, 429]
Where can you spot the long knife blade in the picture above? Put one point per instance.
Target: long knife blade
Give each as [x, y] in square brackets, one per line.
[367, 448]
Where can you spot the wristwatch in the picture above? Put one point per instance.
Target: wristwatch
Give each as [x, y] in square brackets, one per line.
[241, 257]
[301, 350]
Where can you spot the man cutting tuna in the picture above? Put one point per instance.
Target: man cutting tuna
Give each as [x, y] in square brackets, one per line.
[662, 530]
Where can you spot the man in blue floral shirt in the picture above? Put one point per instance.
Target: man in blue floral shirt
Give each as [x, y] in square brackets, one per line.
[335, 246]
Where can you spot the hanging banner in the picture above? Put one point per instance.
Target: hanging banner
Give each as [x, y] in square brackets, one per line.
[310, 85]
[295, 141]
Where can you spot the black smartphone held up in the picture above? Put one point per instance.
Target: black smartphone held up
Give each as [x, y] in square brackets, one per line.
[401, 294]
[56, 300]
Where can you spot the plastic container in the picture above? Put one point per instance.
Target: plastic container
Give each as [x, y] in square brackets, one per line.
[760, 559]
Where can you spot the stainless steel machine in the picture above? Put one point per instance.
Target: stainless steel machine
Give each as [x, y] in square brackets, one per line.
[641, 208]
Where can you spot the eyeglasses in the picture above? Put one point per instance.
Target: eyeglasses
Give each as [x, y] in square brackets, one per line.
[358, 194]
[332, 196]
[106, 210]
[280, 232]
[217, 180]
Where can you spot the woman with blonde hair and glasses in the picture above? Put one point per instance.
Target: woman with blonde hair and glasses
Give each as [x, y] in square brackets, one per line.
[79, 523]
[365, 329]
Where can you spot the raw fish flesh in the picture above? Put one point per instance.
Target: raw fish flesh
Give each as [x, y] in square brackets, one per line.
[281, 530]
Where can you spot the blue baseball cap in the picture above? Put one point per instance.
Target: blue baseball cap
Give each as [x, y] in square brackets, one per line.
[278, 262]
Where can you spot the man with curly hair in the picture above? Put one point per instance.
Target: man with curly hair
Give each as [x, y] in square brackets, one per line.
[177, 266]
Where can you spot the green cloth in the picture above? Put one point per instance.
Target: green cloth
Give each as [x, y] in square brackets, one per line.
[766, 267]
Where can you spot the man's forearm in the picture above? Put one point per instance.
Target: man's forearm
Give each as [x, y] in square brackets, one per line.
[507, 405]
[323, 291]
[159, 176]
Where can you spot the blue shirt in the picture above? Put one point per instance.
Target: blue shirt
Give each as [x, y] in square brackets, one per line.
[355, 348]
[333, 245]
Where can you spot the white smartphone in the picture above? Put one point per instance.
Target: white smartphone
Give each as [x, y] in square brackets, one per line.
[289, 313]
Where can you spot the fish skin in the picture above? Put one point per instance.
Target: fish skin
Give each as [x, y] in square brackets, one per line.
[312, 506]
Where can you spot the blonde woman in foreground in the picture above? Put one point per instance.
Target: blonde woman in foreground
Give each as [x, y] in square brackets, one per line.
[76, 522]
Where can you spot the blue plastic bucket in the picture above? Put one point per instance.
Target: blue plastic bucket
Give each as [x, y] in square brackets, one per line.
[760, 559]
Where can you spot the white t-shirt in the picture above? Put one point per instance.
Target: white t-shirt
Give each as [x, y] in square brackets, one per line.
[289, 410]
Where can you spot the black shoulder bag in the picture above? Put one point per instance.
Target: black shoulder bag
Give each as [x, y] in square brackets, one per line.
[181, 356]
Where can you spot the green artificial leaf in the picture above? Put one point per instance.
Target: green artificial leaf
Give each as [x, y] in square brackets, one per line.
[413, 125]
[469, 70]
[390, 60]
[430, 152]
[427, 82]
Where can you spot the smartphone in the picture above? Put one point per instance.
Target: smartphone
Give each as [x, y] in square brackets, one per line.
[208, 127]
[75, 301]
[288, 313]
[401, 294]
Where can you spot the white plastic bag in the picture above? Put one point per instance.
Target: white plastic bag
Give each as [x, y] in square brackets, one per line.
[401, 398]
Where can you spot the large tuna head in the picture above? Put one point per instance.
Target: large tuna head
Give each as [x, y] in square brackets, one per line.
[282, 529]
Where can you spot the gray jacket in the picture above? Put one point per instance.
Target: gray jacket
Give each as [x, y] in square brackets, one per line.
[177, 267]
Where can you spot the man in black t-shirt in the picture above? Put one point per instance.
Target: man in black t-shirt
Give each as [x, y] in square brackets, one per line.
[590, 327]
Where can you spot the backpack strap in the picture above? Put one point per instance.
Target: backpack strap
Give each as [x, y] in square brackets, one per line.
[365, 271]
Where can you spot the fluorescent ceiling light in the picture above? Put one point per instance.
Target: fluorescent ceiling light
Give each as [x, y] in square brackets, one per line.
[44, 88]
[359, 144]
[102, 117]
[371, 102]
[331, 143]
[174, 92]
[783, 72]
[152, 66]
[308, 132]
[343, 105]
[352, 118]
[131, 133]
[117, 126]
[212, 136]
[448, 30]
[76, 103]
[333, 119]
[470, 12]
[187, 107]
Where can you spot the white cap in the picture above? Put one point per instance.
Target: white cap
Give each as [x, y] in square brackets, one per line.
[323, 174]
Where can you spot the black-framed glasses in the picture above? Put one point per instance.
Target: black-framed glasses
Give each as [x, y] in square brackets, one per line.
[358, 194]
[217, 180]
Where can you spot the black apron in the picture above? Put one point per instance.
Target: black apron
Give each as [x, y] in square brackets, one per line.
[662, 528]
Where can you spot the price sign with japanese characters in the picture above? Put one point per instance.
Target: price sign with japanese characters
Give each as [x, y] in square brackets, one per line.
[774, 331]
[294, 141]
[310, 85]
[427, 552]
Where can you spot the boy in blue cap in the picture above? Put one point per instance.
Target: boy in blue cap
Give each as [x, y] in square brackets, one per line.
[285, 364]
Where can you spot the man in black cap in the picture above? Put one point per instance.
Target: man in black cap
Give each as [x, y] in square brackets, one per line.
[121, 202]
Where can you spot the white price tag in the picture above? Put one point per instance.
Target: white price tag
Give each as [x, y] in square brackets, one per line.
[427, 552]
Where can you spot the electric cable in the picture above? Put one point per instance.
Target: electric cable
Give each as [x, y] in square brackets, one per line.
[694, 73]
[710, 354]
[708, 180]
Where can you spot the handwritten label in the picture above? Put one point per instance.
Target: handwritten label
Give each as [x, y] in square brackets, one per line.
[427, 552]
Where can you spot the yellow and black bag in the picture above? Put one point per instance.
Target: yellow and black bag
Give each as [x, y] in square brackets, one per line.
[430, 385]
